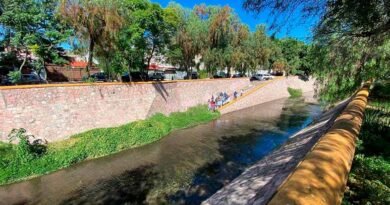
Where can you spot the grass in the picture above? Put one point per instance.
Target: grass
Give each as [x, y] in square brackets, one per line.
[16, 165]
[369, 180]
[294, 93]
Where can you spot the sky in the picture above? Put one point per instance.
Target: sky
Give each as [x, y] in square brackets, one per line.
[299, 30]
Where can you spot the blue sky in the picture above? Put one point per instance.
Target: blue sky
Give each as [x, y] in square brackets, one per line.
[299, 30]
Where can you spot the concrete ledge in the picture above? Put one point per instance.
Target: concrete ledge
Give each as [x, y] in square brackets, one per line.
[322, 176]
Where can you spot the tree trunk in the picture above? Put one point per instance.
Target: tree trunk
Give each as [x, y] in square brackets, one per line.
[151, 56]
[229, 71]
[129, 69]
[90, 56]
[24, 61]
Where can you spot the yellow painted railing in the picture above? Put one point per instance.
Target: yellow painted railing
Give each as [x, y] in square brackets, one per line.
[322, 176]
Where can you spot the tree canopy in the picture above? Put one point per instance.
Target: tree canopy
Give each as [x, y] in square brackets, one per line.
[125, 35]
[351, 41]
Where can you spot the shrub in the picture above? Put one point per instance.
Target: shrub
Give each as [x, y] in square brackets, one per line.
[15, 76]
[294, 93]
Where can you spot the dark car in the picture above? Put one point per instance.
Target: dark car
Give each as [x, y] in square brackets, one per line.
[157, 76]
[31, 79]
[99, 76]
[193, 76]
[135, 76]
[217, 76]
[238, 76]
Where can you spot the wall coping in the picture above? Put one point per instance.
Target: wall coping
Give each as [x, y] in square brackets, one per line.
[15, 87]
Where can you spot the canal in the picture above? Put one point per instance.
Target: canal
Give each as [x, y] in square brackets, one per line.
[186, 167]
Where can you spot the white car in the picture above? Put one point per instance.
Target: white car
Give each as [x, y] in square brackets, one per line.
[268, 76]
[261, 77]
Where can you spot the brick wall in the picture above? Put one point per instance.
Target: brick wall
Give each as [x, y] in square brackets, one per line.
[55, 112]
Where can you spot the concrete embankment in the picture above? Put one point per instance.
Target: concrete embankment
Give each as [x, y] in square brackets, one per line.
[269, 91]
[311, 168]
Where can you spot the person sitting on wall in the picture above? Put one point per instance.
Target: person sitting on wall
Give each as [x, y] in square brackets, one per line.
[235, 94]
[212, 103]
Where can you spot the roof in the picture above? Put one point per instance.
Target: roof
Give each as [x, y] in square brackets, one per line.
[78, 64]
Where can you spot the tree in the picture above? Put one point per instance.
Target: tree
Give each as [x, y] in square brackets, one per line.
[294, 53]
[31, 26]
[93, 20]
[258, 48]
[190, 38]
[351, 41]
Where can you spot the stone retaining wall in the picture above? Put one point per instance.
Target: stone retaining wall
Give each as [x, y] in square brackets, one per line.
[55, 112]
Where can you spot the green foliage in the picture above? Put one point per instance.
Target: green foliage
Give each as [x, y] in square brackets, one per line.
[203, 74]
[95, 143]
[15, 76]
[294, 93]
[89, 79]
[31, 27]
[369, 180]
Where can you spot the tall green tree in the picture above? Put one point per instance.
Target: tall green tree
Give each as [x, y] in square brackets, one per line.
[32, 26]
[93, 20]
[351, 40]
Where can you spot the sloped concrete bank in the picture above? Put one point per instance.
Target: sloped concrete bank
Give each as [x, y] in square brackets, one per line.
[269, 91]
[260, 182]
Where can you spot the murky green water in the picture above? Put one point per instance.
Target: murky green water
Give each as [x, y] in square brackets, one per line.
[185, 167]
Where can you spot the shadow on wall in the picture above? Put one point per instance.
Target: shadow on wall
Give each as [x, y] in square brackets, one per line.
[160, 88]
[321, 178]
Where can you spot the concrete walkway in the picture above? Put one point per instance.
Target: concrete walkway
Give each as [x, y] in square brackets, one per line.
[260, 182]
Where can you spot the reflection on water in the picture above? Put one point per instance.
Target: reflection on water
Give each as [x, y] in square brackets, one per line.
[185, 167]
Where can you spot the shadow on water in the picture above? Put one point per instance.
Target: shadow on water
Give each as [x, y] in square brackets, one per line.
[131, 186]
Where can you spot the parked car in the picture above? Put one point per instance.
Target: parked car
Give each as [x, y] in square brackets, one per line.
[258, 77]
[278, 73]
[238, 75]
[135, 76]
[5, 80]
[31, 79]
[99, 76]
[268, 76]
[217, 76]
[157, 76]
[170, 75]
[193, 76]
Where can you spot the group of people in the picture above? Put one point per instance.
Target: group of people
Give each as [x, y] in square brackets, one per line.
[222, 99]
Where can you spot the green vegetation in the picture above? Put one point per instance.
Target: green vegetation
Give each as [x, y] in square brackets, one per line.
[294, 93]
[351, 42]
[369, 180]
[124, 36]
[28, 159]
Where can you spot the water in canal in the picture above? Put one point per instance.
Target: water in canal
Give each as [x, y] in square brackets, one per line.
[185, 167]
